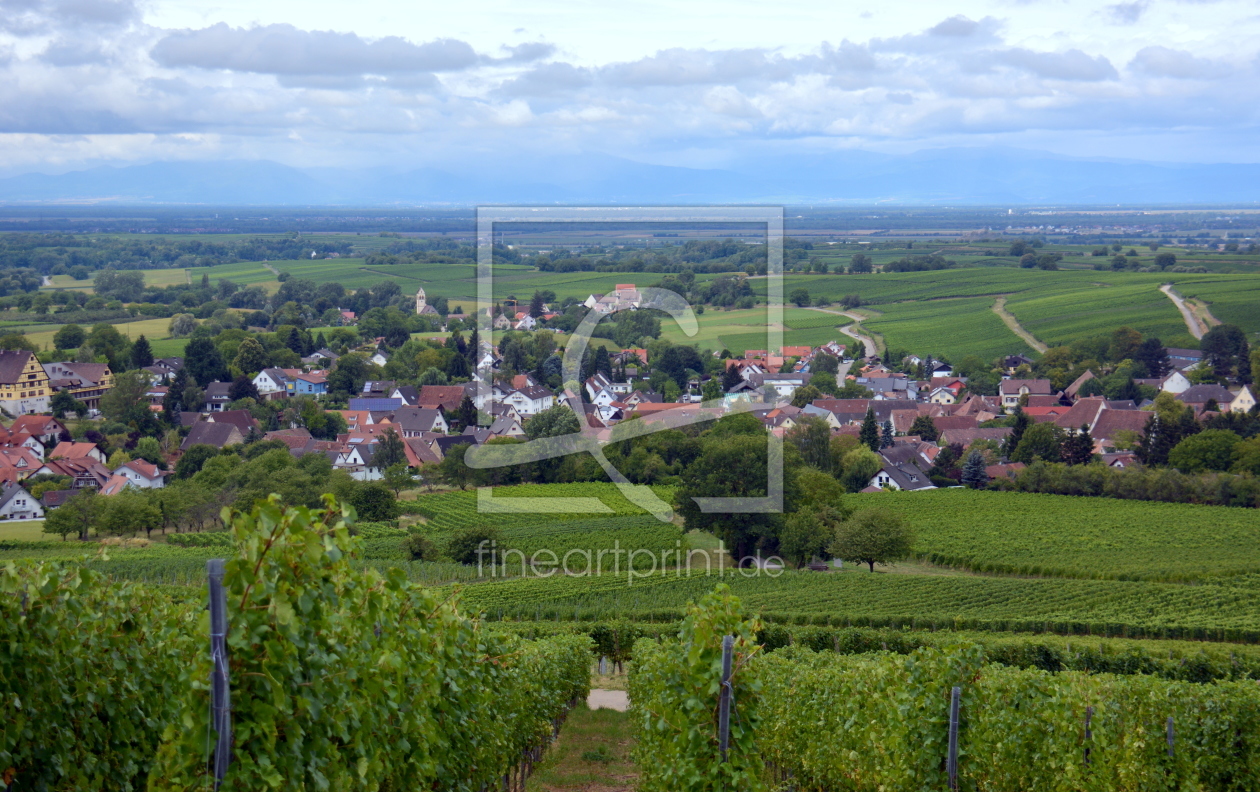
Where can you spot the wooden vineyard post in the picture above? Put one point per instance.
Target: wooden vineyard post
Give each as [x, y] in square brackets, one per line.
[220, 690]
[1170, 737]
[1089, 732]
[724, 696]
[951, 764]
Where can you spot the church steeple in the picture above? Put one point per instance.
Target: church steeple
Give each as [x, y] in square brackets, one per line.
[420, 301]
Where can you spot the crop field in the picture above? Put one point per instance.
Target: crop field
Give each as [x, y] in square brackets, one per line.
[1219, 611]
[956, 327]
[1235, 300]
[1062, 536]
[450, 511]
[152, 329]
[1068, 315]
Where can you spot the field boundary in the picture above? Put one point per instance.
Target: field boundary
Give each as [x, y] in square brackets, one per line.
[1198, 316]
[999, 308]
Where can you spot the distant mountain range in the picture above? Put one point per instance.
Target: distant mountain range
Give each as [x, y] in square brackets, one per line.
[965, 176]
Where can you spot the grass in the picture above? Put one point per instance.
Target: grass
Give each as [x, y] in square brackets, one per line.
[593, 754]
[954, 327]
[23, 530]
[152, 329]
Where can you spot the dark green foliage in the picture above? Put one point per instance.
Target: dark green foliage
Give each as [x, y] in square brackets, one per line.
[870, 430]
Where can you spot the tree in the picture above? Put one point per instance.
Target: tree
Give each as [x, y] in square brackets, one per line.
[925, 428]
[128, 401]
[731, 377]
[390, 451]
[251, 357]
[974, 474]
[1224, 348]
[141, 353]
[1165, 260]
[453, 470]
[804, 537]
[76, 516]
[203, 361]
[860, 466]
[1041, 441]
[373, 502]
[860, 263]
[63, 402]
[536, 305]
[870, 430]
[1153, 357]
[150, 450]
[733, 466]
[1019, 425]
[799, 296]
[886, 435]
[873, 536]
[1078, 447]
[712, 390]
[182, 325]
[398, 478]
[552, 422]
[128, 513]
[853, 389]
[243, 388]
[812, 437]
[466, 415]
[476, 546]
[1211, 449]
[70, 336]
[194, 459]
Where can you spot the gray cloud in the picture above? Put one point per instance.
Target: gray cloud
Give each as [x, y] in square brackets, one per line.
[1070, 65]
[956, 26]
[286, 50]
[528, 52]
[697, 67]
[1164, 62]
[1127, 13]
[36, 17]
[547, 79]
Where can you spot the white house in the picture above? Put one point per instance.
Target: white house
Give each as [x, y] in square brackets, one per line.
[526, 322]
[143, 474]
[1175, 383]
[1243, 401]
[271, 380]
[18, 504]
[530, 400]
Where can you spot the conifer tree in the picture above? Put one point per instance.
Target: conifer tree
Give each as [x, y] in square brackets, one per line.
[870, 430]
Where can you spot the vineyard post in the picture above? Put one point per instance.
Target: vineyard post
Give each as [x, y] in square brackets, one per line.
[220, 691]
[952, 762]
[1089, 733]
[724, 697]
[1170, 736]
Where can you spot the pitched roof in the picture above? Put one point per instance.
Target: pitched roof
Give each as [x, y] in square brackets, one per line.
[12, 364]
[215, 434]
[965, 437]
[241, 419]
[1075, 387]
[218, 390]
[1112, 421]
[144, 468]
[55, 498]
[375, 404]
[293, 438]
[72, 450]
[1200, 394]
[1084, 413]
[445, 396]
[36, 425]
[1012, 386]
[116, 484]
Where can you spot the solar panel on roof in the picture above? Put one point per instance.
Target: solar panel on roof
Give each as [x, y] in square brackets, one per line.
[375, 405]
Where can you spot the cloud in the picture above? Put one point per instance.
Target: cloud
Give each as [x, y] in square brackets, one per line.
[697, 67]
[528, 52]
[1127, 13]
[547, 79]
[956, 27]
[1164, 62]
[1070, 65]
[286, 50]
[37, 17]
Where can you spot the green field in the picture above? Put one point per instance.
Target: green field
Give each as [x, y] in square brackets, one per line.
[1061, 536]
[969, 324]
[22, 530]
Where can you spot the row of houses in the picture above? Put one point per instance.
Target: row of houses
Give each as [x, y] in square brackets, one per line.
[26, 386]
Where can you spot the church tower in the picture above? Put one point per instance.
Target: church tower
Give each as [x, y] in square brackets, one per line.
[420, 301]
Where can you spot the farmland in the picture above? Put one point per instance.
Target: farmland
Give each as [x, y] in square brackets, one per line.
[1061, 536]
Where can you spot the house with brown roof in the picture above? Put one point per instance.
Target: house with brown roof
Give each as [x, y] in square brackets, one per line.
[143, 474]
[445, 397]
[219, 435]
[24, 384]
[1111, 423]
[241, 419]
[1011, 390]
[44, 427]
[73, 450]
[86, 382]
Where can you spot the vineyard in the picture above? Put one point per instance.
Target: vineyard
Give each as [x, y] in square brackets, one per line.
[935, 718]
[1226, 611]
[1063, 536]
[449, 511]
[105, 684]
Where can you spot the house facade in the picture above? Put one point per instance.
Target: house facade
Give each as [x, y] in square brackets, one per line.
[24, 385]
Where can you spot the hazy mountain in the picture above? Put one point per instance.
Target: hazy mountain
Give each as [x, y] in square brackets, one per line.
[940, 176]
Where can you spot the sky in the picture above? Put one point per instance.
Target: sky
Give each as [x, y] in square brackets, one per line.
[379, 83]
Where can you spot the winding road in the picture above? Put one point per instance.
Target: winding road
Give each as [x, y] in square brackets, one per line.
[999, 308]
[871, 349]
[1196, 324]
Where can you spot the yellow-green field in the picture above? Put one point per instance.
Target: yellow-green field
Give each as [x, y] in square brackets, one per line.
[152, 329]
[23, 530]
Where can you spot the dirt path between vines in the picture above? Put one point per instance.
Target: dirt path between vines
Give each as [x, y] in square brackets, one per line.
[999, 308]
[1198, 317]
[872, 348]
